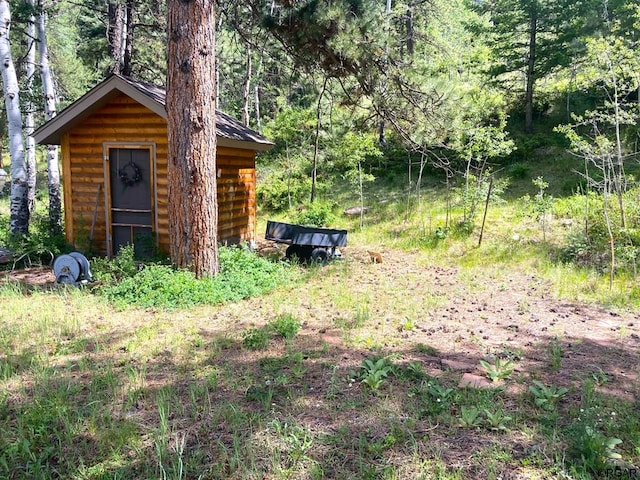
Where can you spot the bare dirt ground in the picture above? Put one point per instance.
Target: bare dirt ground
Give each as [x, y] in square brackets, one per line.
[467, 315]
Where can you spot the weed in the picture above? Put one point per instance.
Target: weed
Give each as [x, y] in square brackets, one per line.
[498, 370]
[242, 274]
[262, 394]
[438, 392]
[286, 326]
[255, 338]
[298, 440]
[546, 397]
[496, 420]
[555, 356]
[122, 266]
[414, 371]
[373, 373]
[407, 324]
[594, 449]
[470, 417]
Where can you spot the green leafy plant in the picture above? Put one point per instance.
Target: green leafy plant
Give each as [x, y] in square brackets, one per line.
[255, 339]
[373, 373]
[286, 326]
[470, 417]
[593, 449]
[316, 214]
[415, 370]
[498, 370]
[497, 420]
[546, 397]
[242, 274]
[438, 392]
[122, 266]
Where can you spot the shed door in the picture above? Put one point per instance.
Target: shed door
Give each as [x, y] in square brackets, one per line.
[130, 212]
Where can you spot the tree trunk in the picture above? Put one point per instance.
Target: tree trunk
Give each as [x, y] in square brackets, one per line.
[128, 39]
[191, 97]
[19, 188]
[116, 35]
[50, 110]
[29, 121]
[410, 30]
[531, 64]
[316, 143]
[246, 91]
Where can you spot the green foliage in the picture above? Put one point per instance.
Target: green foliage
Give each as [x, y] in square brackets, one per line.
[546, 396]
[518, 171]
[496, 420]
[275, 192]
[286, 326]
[242, 274]
[497, 370]
[373, 373]
[590, 444]
[122, 266]
[317, 214]
[255, 338]
[354, 149]
[39, 246]
[555, 356]
[470, 417]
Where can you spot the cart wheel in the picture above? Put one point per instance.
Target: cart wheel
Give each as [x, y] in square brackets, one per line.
[292, 251]
[320, 256]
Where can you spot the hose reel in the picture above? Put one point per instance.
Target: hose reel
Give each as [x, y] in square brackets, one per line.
[72, 269]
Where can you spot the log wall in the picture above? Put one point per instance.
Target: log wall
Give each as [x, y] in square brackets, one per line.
[125, 121]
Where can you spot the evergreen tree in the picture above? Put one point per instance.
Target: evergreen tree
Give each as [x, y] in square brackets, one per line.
[533, 38]
[191, 94]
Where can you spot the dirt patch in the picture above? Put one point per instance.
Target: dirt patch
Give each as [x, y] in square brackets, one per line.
[30, 277]
[466, 316]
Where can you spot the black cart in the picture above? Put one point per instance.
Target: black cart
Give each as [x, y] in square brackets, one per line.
[307, 243]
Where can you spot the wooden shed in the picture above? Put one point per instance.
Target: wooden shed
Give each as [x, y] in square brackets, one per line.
[114, 169]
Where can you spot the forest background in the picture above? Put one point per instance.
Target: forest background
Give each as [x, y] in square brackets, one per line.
[364, 97]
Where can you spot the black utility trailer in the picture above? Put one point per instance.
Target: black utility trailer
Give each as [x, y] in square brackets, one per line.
[307, 243]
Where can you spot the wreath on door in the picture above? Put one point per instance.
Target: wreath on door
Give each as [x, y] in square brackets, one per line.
[130, 174]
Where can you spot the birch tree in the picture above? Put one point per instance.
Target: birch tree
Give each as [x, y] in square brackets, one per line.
[19, 222]
[191, 95]
[50, 109]
[29, 120]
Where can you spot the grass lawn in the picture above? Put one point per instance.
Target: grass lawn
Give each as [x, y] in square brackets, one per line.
[353, 372]
[448, 360]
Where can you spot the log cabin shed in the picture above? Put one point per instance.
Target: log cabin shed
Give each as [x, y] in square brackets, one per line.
[114, 169]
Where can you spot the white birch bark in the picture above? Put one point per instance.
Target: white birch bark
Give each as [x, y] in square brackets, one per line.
[246, 91]
[19, 222]
[29, 120]
[50, 109]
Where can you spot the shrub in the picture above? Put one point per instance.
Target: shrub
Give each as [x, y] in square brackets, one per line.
[255, 339]
[273, 194]
[122, 266]
[286, 326]
[242, 274]
[518, 171]
[40, 245]
[317, 214]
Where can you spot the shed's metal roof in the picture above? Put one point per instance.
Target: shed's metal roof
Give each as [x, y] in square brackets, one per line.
[230, 132]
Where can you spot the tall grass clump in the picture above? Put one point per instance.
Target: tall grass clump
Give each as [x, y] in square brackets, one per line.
[242, 274]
